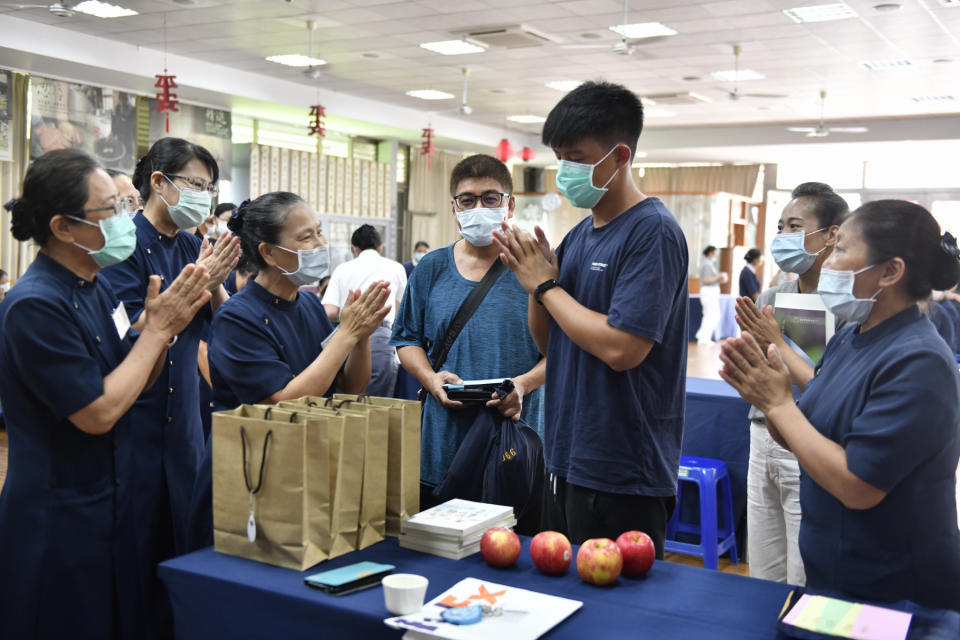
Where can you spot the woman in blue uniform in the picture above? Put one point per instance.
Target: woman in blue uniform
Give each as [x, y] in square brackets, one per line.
[269, 342]
[69, 374]
[176, 180]
[876, 431]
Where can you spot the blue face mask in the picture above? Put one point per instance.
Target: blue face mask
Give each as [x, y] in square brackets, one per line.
[790, 254]
[191, 209]
[119, 238]
[312, 264]
[478, 224]
[836, 291]
[575, 181]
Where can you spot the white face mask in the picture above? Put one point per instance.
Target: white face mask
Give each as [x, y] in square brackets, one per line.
[836, 291]
[192, 207]
[313, 264]
[418, 256]
[5, 287]
[478, 224]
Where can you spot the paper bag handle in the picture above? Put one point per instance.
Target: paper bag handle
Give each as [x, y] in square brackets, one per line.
[263, 460]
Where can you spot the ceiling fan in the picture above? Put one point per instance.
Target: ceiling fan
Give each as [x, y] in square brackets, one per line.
[822, 130]
[463, 108]
[59, 9]
[312, 72]
[625, 46]
[735, 93]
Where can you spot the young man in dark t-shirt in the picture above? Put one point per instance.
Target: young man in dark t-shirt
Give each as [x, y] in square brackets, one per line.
[609, 309]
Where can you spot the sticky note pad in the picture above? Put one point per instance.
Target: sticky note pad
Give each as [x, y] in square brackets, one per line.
[848, 619]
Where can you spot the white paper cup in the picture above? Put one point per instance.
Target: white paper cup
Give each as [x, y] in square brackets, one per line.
[403, 593]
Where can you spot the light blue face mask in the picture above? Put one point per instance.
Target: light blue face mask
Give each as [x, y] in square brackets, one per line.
[478, 224]
[119, 238]
[790, 254]
[191, 209]
[312, 264]
[575, 181]
[836, 291]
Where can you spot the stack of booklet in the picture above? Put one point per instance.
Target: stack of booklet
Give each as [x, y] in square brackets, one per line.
[454, 529]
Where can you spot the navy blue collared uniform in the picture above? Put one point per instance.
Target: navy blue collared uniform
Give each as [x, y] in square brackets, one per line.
[891, 398]
[168, 439]
[67, 547]
[258, 344]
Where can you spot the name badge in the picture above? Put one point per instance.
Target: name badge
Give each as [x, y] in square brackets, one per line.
[121, 321]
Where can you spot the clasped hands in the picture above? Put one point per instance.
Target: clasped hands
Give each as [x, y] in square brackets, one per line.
[762, 379]
[530, 258]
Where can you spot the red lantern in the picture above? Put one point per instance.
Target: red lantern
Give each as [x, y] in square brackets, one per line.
[317, 113]
[166, 100]
[527, 154]
[504, 150]
[426, 147]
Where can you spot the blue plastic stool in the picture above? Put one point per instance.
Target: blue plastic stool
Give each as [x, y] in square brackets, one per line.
[714, 540]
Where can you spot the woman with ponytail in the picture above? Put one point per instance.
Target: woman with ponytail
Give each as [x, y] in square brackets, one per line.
[877, 430]
[70, 371]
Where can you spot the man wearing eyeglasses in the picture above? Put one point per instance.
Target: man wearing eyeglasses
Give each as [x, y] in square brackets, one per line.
[494, 343]
[127, 195]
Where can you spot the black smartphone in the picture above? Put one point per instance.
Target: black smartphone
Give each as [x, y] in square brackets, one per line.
[353, 577]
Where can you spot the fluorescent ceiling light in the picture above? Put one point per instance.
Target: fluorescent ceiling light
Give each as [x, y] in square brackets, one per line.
[429, 94]
[527, 119]
[886, 65]
[738, 76]
[103, 9]
[643, 30]
[452, 47]
[564, 85]
[297, 60]
[929, 99]
[821, 12]
[658, 113]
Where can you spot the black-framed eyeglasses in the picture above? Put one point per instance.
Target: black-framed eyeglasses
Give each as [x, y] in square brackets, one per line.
[198, 184]
[488, 199]
[116, 208]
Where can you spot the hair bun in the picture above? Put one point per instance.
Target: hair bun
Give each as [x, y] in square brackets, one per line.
[20, 223]
[235, 224]
[949, 245]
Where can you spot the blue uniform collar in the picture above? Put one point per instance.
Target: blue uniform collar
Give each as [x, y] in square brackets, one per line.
[268, 298]
[48, 265]
[148, 235]
[891, 325]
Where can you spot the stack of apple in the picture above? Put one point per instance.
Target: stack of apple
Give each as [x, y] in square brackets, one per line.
[600, 561]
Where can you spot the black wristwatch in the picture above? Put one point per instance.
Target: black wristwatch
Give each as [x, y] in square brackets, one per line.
[543, 288]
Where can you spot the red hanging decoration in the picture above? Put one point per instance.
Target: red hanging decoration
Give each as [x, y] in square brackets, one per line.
[318, 125]
[166, 99]
[527, 154]
[426, 147]
[504, 151]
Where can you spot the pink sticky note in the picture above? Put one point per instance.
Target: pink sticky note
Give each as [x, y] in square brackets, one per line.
[878, 623]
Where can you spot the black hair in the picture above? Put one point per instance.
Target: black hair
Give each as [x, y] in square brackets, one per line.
[897, 228]
[247, 268]
[223, 207]
[609, 113]
[480, 166]
[828, 206]
[752, 255]
[170, 155]
[56, 183]
[261, 220]
[2, 273]
[710, 249]
[113, 173]
[421, 243]
[366, 237]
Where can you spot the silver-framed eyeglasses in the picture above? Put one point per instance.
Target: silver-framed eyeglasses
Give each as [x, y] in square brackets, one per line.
[488, 199]
[132, 203]
[198, 184]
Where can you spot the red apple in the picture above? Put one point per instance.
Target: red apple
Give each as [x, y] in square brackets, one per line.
[638, 553]
[500, 547]
[551, 552]
[599, 561]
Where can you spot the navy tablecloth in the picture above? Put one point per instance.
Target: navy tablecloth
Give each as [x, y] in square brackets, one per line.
[219, 596]
[726, 328]
[716, 426]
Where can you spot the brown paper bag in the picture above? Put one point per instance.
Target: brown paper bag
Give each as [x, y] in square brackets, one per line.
[347, 448]
[270, 473]
[373, 502]
[403, 457]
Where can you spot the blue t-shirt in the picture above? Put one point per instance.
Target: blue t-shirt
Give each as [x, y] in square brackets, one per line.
[260, 342]
[891, 398]
[494, 343]
[942, 317]
[611, 431]
[749, 283]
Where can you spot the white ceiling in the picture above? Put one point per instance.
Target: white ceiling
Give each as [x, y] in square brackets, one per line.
[797, 59]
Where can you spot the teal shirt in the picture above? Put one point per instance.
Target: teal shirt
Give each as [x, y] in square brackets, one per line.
[494, 343]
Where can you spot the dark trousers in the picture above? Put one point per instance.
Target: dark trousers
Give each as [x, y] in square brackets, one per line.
[581, 513]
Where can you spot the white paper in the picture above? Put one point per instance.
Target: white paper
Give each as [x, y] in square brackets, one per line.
[121, 320]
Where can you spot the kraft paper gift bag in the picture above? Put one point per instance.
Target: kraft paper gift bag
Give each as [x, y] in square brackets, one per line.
[347, 448]
[373, 504]
[270, 472]
[403, 457]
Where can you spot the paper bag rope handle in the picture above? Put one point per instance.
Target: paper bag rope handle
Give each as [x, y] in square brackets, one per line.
[263, 460]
